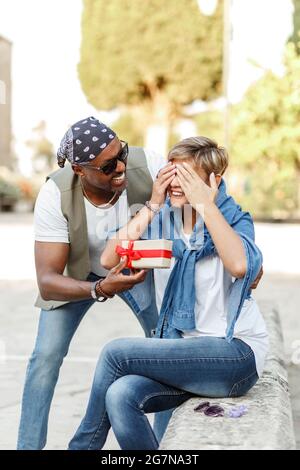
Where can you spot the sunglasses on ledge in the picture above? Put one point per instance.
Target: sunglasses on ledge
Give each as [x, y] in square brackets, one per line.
[111, 165]
[210, 410]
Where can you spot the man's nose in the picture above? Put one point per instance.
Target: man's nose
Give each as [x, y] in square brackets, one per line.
[121, 167]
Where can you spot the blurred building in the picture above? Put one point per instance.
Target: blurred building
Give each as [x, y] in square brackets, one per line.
[5, 102]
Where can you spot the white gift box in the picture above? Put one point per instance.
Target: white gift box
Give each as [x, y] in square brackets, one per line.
[146, 254]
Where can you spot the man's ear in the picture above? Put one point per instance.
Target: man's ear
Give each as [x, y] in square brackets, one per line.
[77, 169]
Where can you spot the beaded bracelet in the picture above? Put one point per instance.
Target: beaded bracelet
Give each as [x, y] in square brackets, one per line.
[156, 211]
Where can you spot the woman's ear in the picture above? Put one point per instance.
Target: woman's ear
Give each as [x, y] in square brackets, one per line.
[218, 179]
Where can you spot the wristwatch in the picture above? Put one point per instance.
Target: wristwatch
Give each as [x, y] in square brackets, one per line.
[97, 293]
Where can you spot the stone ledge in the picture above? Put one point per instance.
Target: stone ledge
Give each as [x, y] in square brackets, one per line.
[268, 424]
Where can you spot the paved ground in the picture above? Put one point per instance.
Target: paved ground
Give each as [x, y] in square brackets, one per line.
[18, 328]
[18, 323]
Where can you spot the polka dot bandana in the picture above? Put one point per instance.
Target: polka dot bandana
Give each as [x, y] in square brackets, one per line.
[84, 141]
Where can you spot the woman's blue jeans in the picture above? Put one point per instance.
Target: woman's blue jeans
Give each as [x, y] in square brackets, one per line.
[136, 376]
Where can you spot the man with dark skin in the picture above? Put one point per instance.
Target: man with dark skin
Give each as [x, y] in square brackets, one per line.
[51, 258]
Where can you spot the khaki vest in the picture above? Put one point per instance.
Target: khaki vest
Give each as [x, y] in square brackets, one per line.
[72, 204]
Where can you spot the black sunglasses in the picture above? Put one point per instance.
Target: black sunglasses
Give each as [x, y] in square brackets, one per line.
[209, 410]
[111, 165]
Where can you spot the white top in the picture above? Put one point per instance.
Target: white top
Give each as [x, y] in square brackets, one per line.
[212, 285]
[51, 226]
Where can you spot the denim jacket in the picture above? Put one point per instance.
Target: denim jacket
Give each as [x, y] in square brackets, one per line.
[177, 312]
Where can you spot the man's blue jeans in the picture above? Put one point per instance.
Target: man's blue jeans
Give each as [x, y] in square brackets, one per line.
[136, 376]
[55, 332]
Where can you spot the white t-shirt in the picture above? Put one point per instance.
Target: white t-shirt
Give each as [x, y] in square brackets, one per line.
[212, 284]
[51, 226]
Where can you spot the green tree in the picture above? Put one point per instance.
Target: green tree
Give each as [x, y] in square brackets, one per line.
[211, 124]
[266, 140]
[295, 36]
[42, 149]
[152, 56]
[129, 129]
[132, 130]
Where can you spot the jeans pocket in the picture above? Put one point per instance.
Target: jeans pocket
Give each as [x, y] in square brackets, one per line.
[243, 348]
[243, 386]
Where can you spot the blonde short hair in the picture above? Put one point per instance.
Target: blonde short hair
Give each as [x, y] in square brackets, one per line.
[206, 153]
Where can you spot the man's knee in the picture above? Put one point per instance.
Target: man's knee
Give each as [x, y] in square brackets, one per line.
[47, 357]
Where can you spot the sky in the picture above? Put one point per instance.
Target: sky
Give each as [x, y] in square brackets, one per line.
[46, 40]
[260, 29]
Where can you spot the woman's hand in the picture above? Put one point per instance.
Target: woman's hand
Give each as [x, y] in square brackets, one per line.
[161, 184]
[228, 243]
[116, 281]
[134, 229]
[196, 190]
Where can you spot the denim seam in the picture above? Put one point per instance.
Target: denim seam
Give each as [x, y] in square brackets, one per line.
[157, 394]
[151, 432]
[237, 384]
[23, 397]
[102, 419]
[191, 359]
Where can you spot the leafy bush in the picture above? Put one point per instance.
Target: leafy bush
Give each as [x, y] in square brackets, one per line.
[264, 171]
[8, 190]
[9, 195]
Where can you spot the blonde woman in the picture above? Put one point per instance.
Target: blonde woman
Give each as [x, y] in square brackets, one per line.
[210, 339]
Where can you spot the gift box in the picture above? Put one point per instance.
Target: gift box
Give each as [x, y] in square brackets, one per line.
[146, 254]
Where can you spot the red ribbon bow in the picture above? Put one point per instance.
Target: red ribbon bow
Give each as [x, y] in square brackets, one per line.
[134, 255]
